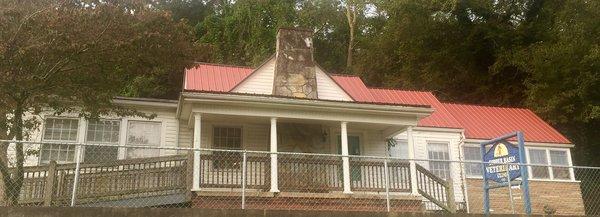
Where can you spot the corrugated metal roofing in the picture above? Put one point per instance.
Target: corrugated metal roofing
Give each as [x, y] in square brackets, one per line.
[354, 86]
[213, 77]
[479, 122]
[486, 122]
[440, 117]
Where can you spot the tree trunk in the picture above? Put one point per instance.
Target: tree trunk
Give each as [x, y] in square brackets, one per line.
[351, 16]
[14, 181]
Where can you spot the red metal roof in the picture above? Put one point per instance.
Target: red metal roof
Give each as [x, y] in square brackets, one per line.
[440, 117]
[479, 122]
[354, 86]
[214, 77]
[485, 122]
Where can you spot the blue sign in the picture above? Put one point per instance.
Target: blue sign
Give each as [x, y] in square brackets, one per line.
[495, 168]
[496, 160]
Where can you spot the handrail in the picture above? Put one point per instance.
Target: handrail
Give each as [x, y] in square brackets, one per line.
[435, 189]
[54, 179]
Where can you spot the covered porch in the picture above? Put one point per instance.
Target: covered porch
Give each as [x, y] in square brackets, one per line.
[307, 156]
[308, 145]
[272, 147]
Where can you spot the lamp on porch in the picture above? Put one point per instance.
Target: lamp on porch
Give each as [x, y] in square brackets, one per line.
[324, 135]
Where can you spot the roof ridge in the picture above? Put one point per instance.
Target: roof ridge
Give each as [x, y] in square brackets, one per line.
[389, 88]
[343, 75]
[222, 64]
[489, 106]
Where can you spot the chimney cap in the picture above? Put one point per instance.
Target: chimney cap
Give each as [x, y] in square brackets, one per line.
[295, 29]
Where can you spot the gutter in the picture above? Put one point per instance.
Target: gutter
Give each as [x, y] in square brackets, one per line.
[293, 102]
[145, 102]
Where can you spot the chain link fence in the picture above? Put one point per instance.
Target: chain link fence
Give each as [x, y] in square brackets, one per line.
[103, 175]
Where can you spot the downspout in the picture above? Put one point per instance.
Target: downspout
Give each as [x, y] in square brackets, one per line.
[462, 172]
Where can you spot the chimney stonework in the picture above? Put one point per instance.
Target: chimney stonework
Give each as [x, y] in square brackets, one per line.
[295, 74]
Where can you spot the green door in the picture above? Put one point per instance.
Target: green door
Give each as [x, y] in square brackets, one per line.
[353, 149]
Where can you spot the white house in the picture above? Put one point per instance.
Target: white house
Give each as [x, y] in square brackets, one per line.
[290, 104]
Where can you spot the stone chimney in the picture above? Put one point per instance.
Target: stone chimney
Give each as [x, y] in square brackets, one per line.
[294, 65]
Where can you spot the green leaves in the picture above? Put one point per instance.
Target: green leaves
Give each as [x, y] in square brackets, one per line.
[76, 58]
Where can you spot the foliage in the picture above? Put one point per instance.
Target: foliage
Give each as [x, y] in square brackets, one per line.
[76, 56]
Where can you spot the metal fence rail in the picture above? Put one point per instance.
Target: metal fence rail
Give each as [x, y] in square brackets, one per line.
[241, 179]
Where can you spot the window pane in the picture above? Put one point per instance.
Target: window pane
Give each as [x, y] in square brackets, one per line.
[103, 131]
[61, 153]
[560, 158]
[143, 133]
[60, 130]
[227, 138]
[473, 154]
[439, 151]
[400, 150]
[537, 156]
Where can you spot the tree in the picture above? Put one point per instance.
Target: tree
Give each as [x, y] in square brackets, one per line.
[563, 85]
[76, 56]
[243, 32]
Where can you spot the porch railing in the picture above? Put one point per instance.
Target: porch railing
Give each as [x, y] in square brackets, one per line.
[369, 175]
[435, 189]
[311, 173]
[224, 170]
[302, 173]
[117, 180]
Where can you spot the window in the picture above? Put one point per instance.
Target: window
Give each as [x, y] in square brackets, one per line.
[143, 133]
[538, 156]
[439, 151]
[227, 138]
[549, 157]
[102, 132]
[400, 149]
[59, 130]
[560, 158]
[472, 154]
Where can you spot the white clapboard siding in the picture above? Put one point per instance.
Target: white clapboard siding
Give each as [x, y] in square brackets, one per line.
[422, 137]
[328, 89]
[260, 81]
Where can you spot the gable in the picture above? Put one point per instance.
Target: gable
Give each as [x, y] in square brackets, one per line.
[327, 88]
[260, 81]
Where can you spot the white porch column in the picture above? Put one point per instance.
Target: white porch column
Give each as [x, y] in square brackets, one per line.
[345, 159]
[413, 166]
[197, 145]
[274, 183]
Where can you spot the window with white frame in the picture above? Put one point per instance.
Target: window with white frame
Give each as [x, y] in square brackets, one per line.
[102, 132]
[560, 158]
[143, 133]
[59, 130]
[550, 157]
[399, 149]
[538, 156]
[229, 138]
[472, 154]
[439, 151]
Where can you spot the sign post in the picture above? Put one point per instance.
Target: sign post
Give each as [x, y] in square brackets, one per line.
[502, 164]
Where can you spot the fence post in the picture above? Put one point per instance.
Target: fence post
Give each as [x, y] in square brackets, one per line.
[244, 180]
[49, 186]
[387, 183]
[76, 177]
[189, 174]
[450, 195]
